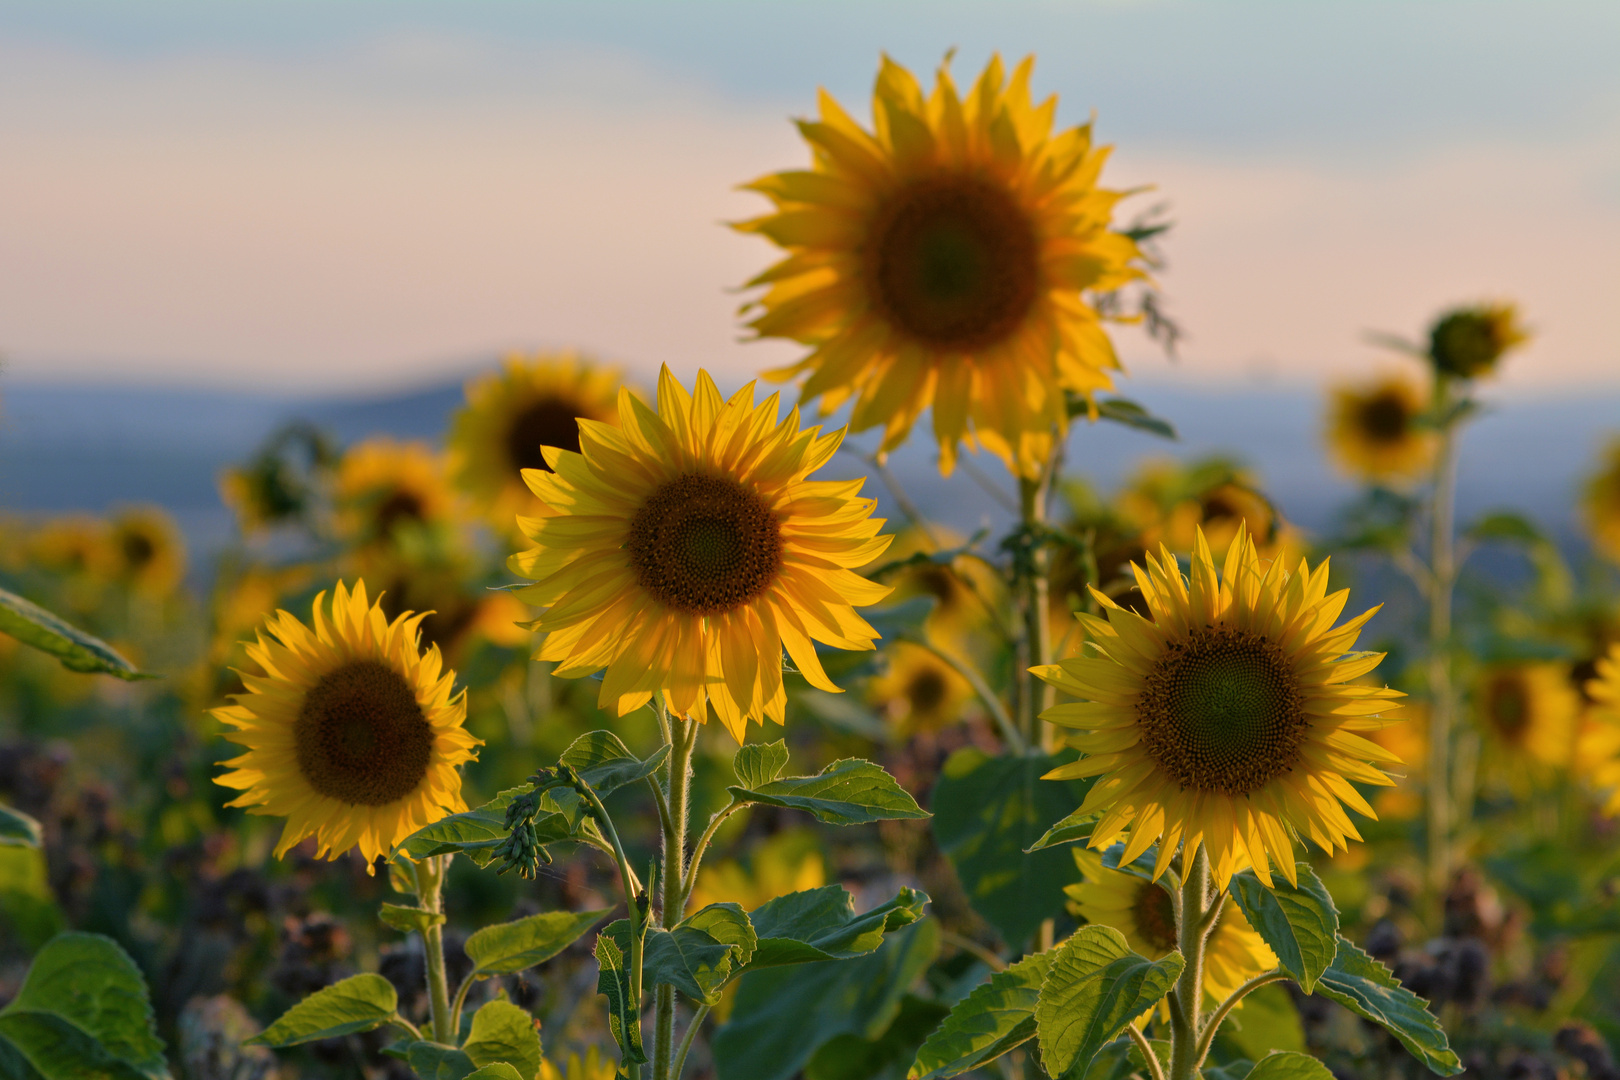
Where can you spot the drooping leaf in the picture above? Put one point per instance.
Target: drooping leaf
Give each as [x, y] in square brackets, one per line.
[782, 1016]
[1300, 923]
[510, 947]
[996, 1017]
[1125, 411]
[1368, 989]
[407, 919]
[613, 982]
[1072, 829]
[477, 833]
[436, 1061]
[1289, 1065]
[821, 924]
[503, 1032]
[18, 829]
[606, 764]
[689, 959]
[1096, 985]
[847, 792]
[854, 1057]
[987, 812]
[83, 1010]
[730, 924]
[757, 764]
[76, 650]
[358, 1003]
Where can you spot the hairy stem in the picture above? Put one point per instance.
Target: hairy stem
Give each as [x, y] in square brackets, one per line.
[672, 903]
[429, 875]
[1207, 1038]
[636, 913]
[1186, 999]
[1155, 1070]
[698, 1017]
[1442, 578]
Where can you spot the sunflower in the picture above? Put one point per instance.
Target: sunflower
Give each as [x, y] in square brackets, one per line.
[940, 260]
[1467, 342]
[1168, 503]
[1142, 911]
[593, 1066]
[919, 691]
[1600, 504]
[1597, 745]
[149, 553]
[1227, 717]
[75, 546]
[965, 590]
[384, 486]
[353, 735]
[685, 551]
[1372, 430]
[533, 401]
[1527, 711]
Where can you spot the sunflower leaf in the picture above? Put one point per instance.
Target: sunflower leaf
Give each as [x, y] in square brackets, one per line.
[477, 833]
[758, 764]
[613, 982]
[1124, 411]
[727, 923]
[436, 1061]
[78, 651]
[1096, 985]
[603, 761]
[690, 959]
[850, 791]
[821, 924]
[406, 919]
[358, 1003]
[1072, 829]
[17, 829]
[510, 947]
[1368, 989]
[1289, 1065]
[996, 1017]
[1301, 924]
[503, 1032]
[495, 1070]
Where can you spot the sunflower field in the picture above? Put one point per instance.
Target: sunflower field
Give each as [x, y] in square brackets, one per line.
[618, 735]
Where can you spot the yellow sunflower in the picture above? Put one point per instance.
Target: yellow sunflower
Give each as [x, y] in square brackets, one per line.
[685, 549]
[1600, 504]
[1170, 503]
[964, 592]
[1372, 430]
[149, 551]
[1527, 711]
[1227, 718]
[1597, 746]
[1467, 342]
[593, 1066]
[74, 545]
[533, 401]
[1142, 911]
[919, 691]
[940, 260]
[384, 486]
[353, 735]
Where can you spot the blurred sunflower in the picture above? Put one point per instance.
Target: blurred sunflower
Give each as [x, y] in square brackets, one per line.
[1527, 711]
[965, 590]
[384, 486]
[74, 545]
[1600, 504]
[1169, 503]
[918, 691]
[353, 735]
[940, 260]
[533, 401]
[1409, 742]
[684, 552]
[149, 551]
[1467, 342]
[453, 613]
[1142, 911]
[1373, 430]
[593, 1066]
[1228, 717]
[789, 861]
[1597, 745]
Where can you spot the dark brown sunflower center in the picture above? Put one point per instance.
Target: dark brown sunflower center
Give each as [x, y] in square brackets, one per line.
[953, 261]
[1384, 418]
[138, 549]
[926, 690]
[1155, 916]
[1222, 711]
[399, 507]
[1508, 707]
[548, 422]
[705, 545]
[361, 736]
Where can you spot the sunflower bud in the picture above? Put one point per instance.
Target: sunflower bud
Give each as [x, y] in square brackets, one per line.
[1467, 342]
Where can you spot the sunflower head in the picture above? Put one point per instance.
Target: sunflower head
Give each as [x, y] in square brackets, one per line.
[1597, 742]
[963, 589]
[1467, 342]
[918, 691]
[387, 488]
[1225, 716]
[1169, 503]
[1373, 430]
[941, 260]
[684, 549]
[1527, 711]
[532, 402]
[1600, 503]
[353, 733]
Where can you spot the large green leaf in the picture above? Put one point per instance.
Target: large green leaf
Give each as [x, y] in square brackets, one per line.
[358, 1003]
[604, 762]
[1289, 1065]
[821, 924]
[18, 829]
[613, 982]
[83, 1011]
[783, 1016]
[1300, 923]
[996, 1017]
[1096, 985]
[435, 1061]
[509, 947]
[503, 1032]
[498, 1070]
[854, 1057]
[1366, 987]
[847, 792]
[78, 651]
[987, 811]
[691, 960]
[406, 919]
[477, 833]
[730, 924]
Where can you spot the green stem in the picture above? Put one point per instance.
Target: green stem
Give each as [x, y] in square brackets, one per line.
[1442, 577]
[1155, 1070]
[1186, 999]
[1038, 696]
[675, 884]
[460, 1001]
[1207, 1038]
[702, 846]
[698, 1017]
[429, 874]
[635, 912]
[1004, 721]
[399, 1021]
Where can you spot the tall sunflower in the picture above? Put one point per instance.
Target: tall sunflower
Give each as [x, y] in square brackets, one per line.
[1142, 911]
[1600, 503]
[533, 401]
[1527, 711]
[353, 735]
[384, 486]
[1373, 430]
[1226, 718]
[941, 259]
[685, 549]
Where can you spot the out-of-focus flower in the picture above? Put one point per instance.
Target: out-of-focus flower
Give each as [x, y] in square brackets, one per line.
[1526, 711]
[1373, 430]
[1597, 743]
[965, 590]
[1170, 504]
[385, 488]
[593, 1066]
[1600, 503]
[918, 691]
[151, 555]
[1467, 342]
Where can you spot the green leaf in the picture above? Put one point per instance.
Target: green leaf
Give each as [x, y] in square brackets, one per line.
[852, 1057]
[821, 924]
[1072, 829]
[406, 919]
[28, 907]
[782, 1016]
[1289, 1065]
[689, 959]
[996, 1017]
[496, 1070]
[987, 812]
[1125, 411]
[756, 765]
[435, 1061]
[847, 792]
[1366, 987]
[613, 981]
[604, 762]
[78, 651]
[730, 924]
[1095, 987]
[18, 829]
[477, 833]
[83, 1010]
[510, 947]
[358, 1003]
[1300, 923]
[1507, 526]
[1236, 1069]
[503, 1032]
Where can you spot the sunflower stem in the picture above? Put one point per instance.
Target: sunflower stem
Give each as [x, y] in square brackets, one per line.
[1186, 997]
[1155, 1070]
[1442, 578]
[429, 874]
[635, 903]
[1038, 695]
[675, 886]
[1206, 1038]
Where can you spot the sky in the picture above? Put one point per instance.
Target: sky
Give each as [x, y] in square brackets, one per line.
[303, 197]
